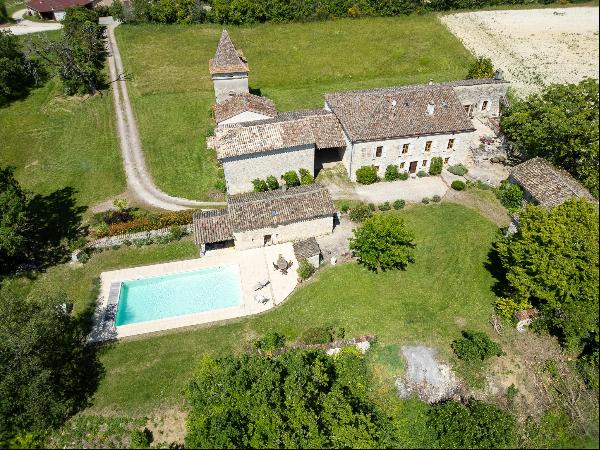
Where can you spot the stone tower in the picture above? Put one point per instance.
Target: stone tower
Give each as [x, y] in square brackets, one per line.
[228, 70]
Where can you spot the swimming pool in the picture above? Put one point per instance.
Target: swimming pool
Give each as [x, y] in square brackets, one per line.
[178, 294]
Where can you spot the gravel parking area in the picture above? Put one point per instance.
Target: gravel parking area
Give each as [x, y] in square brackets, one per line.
[534, 47]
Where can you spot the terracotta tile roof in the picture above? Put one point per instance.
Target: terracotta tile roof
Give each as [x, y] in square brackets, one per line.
[379, 114]
[227, 59]
[280, 207]
[243, 102]
[285, 130]
[547, 184]
[212, 226]
[306, 249]
[55, 5]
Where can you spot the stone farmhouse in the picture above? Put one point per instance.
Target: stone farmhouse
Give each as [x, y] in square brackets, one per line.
[263, 218]
[405, 126]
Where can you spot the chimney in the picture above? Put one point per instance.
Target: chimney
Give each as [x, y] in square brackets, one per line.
[430, 108]
[499, 74]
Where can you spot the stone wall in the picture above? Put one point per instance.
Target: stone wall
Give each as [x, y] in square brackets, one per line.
[241, 170]
[229, 84]
[477, 94]
[284, 233]
[119, 239]
[364, 153]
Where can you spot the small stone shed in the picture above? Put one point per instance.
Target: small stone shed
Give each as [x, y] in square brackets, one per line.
[546, 185]
[265, 218]
[308, 249]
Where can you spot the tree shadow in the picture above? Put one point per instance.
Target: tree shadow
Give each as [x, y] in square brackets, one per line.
[494, 266]
[255, 91]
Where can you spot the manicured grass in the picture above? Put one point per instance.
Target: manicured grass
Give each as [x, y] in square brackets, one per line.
[293, 64]
[447, 289]
[56, 141]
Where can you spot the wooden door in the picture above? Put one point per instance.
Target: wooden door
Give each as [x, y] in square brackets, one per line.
[413, 166]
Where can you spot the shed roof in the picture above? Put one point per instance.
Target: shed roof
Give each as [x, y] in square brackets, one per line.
[239, 103]
[55, 5]
[387, 113]
[212, 226]
[306, 249]
[227, 59]
[547, 184]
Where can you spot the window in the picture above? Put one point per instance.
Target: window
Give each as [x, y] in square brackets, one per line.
[405, 148]
[450, 144]
[424, 163]
[428, 146]
[401, 165]
[446, 160]
[378, 152]
[484, 105]
[468, 109]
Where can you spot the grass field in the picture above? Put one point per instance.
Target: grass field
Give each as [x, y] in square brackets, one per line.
[293, 64]
[446, 289]
[56, 141]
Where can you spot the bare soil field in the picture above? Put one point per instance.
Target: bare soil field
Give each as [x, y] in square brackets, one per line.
[534, 47]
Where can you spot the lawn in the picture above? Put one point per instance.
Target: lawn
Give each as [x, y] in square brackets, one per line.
[446, 289]
[56, 141]
[293, 64]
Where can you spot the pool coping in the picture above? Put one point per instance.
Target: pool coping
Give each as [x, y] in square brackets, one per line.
[253, 265]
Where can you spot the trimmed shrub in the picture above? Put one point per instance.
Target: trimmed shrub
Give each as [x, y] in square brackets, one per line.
[399, 204]
[344, 206]
[260, 185]
[385, 206]
[510, 195]
[403, 176]
[272, 182]
[458, 185]
[391, 173]
[317, 335]
[366, 175]
[360, 212]
[425, 200]
[436, 166]
[270, 341]
[422, 173]
[291, 178]
[482, 67]
[475, 346]
[306, 177]
[436, 199]
[458, 169]
[305, 269]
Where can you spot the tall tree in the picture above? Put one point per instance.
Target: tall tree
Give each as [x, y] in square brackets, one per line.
[561, 125]
[17, 73]
[13, 215]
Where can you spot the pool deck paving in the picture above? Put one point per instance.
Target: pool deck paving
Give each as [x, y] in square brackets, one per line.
[255, 265]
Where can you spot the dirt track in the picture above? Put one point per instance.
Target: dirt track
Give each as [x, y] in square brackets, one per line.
[534, 47]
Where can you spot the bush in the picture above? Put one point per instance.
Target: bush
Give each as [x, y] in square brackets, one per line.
[403, 176]
[366, 175]
[141, 438]
[383, 242]
[372, 207]
[317, 335]
[291, 179]
[458, 185]
[260, 185]
[269, 342]
[436, 199]
[391, 173]
[306, 177]
[510, 195]
[458, 169]
[344, 206]
[360, 212]
[422, 173]
[425, 200]
[482, 67]
[385, 206]
[272, 182]
[305, 269]
[475, 346]
[84, 256]
[507, 307]
[399, 204]
[436, 166]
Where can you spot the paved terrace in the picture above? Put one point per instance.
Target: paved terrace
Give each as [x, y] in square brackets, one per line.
[255, 265]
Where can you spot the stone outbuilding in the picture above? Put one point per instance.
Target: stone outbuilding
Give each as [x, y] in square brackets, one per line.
[228, 69]
[308, 249]
[264, 218]
[545, 184]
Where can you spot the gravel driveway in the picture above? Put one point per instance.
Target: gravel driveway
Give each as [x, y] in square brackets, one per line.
[27, 26]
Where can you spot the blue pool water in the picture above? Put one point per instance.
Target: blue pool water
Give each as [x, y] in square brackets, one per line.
[178, 294]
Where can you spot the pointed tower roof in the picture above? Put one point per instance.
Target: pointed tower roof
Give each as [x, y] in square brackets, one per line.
[227, 59]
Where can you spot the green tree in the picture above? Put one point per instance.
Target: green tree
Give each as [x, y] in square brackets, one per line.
[391, 173]
[17, 73]
[561, 125]
[383, 242]
[473, 425]
[13, 215]
[482, 67]
[436, 166]
[510, 195]
[552, 263]
[475, 346]
[272, 182]
[47, 372]
[163, 11]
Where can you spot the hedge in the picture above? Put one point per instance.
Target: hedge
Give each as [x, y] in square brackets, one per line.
[165, 220]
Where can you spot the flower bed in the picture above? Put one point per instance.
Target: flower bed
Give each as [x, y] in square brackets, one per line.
[164, 220]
